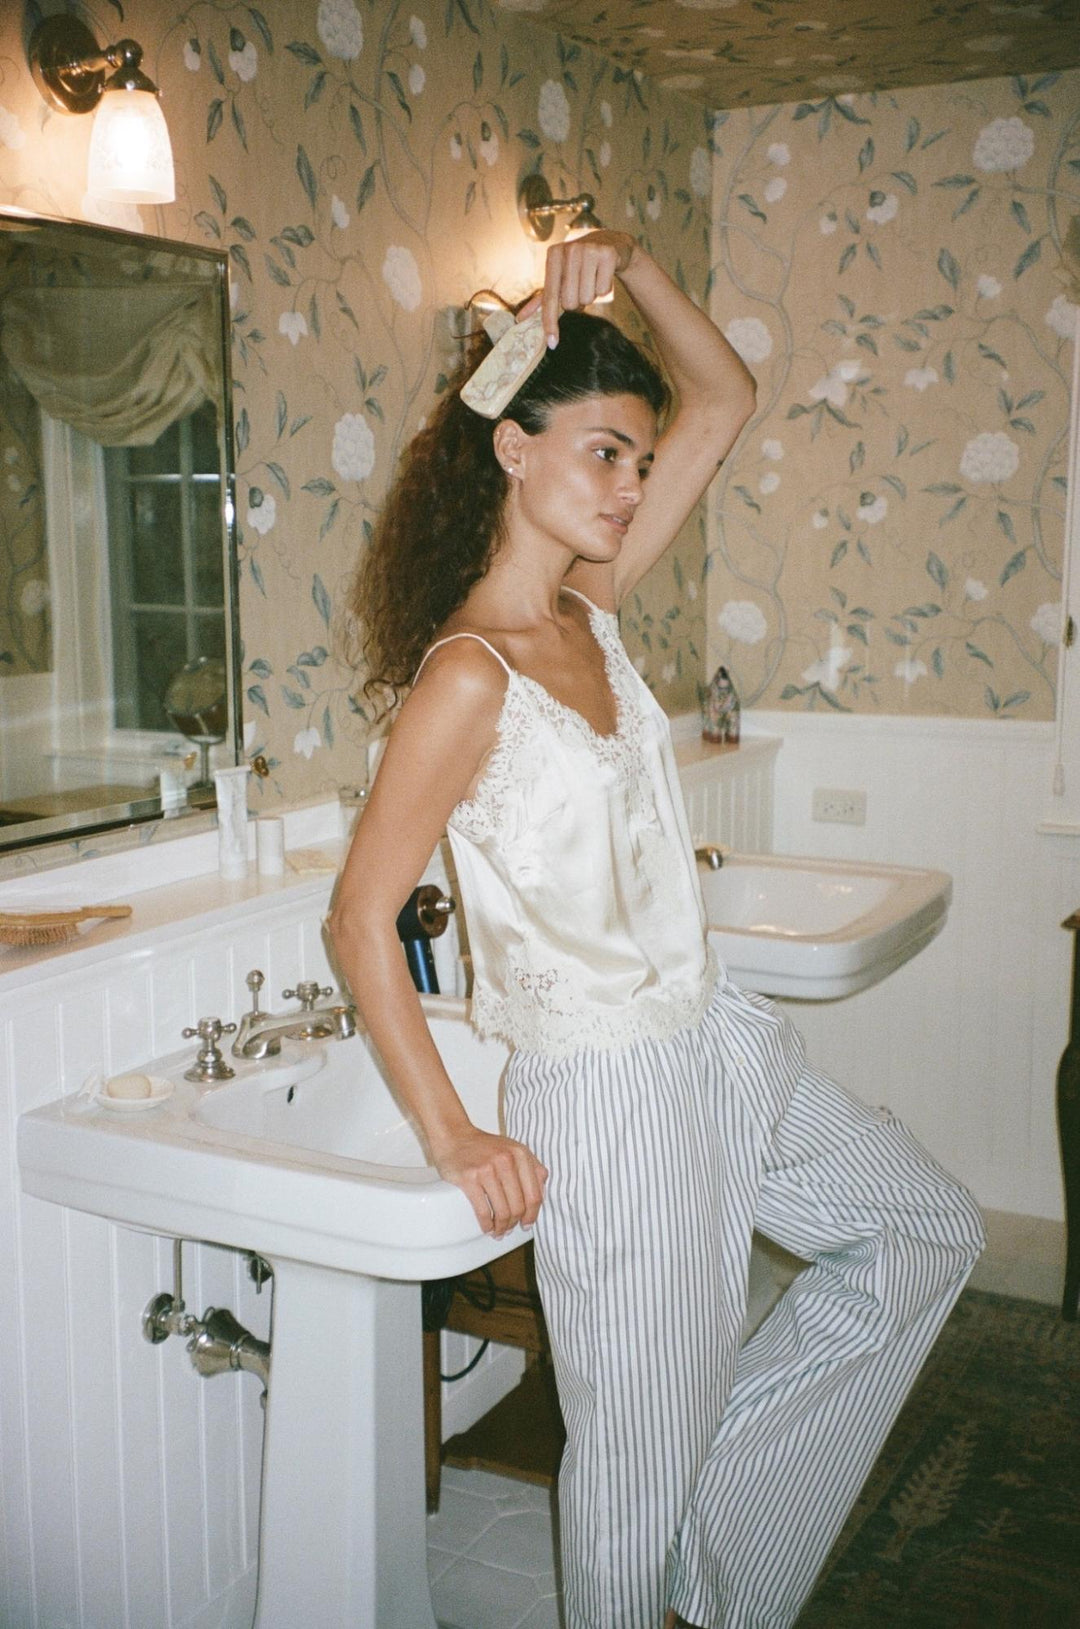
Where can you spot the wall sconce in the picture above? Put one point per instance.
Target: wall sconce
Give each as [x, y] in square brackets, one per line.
[130, 159]
[539, 211]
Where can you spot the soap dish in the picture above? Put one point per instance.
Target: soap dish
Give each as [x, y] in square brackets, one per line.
[160, 1089]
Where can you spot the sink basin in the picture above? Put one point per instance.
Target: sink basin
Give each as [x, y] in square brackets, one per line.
[311, 1159]
[814, 930]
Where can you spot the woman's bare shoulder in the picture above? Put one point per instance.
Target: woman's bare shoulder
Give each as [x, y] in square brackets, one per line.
[465, 668]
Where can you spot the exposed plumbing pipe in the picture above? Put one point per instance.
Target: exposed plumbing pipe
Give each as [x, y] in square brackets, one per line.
[218, 1342]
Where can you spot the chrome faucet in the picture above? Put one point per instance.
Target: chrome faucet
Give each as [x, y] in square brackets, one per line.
[260, 1034]
[710, 854]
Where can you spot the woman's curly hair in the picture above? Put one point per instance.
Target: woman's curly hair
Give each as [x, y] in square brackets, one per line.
[442, 522]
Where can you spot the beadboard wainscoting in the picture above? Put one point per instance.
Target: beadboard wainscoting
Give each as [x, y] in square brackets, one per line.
[963, 1042]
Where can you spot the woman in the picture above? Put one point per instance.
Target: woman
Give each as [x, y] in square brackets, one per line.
[656, 1114]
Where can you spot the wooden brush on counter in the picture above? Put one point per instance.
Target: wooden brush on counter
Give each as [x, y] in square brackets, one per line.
[51, 927]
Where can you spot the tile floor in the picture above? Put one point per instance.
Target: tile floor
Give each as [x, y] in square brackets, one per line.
[491, 1554]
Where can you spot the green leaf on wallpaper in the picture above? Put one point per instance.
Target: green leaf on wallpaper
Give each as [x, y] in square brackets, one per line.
[839, 596]
[866, 154]
[906, 344]
[374, 407]
[347, 311]
[470, 196]
[302, 236]
[328, 726]
[874, 255]
[1020, 85]
[277, 273]
[312, 658]
[963, 208]
[366, 188]
[306, 53]
[913, 132]
[299, 675]
[748, 203]
[321, 598]
[895, 638]
[948, 268]
[315, 89]
[238, 124]
[897, 485]
[857, 457]
[357, 126]
[208, 223]
[1021, 215]
[979, 655]
[238, 253]
[803, 111]
[243, 430]
[906, 179]
[293, 698]
[852, 222]
[937, 662]
[329, 518]
[1045, 81]
[215, 63]
[955, 181]
[307, 176]
[319, 487]
[281, 478]
[256, 575]
[847, 257]
[260, 667]
[825, 615]
[857, 631]
[861, 611]
[993, 700]
[848, 305]
[748, 500]
[214, 115]
[846, 112]
[399, 93]
[929, 141]
[466, 16]
[1037, 107]
[478, 70]
[263, 28]
[937, 569]
[316, 323]
[861, 549]
[1004, 520]
[1013, 565]
[1023, 424]
[951, 514]
[841, 418]
[935, 313]
[992, 356]
[241, 224]
[1030, 399]
[948, 368]
[944, 488]
[219, 193]
[838, 552]
[257, 696]
[1031, 254]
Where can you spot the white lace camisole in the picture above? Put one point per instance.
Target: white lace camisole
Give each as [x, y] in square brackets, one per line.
[582, 904]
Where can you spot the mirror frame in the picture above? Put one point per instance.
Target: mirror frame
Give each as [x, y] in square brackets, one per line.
[108, 817]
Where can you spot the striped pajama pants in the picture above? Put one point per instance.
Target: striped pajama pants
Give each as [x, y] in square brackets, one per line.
[696, 1474]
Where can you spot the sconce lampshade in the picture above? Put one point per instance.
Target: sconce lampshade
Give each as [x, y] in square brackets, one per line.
[130, 156]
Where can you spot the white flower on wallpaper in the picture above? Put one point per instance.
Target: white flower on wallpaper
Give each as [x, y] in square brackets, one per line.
[744, 621]
[353, 454]
[700, 172]
[1047, 623]
[456, 148]
[819, 519]
[417, 79]
[827, 670]
[771, 448]
[988, 287]
[834, 386]
[604, 154]
[975, 590]
[991, 456]
[401, 275]
[307, 741]
[769, 483]
[779, 153]
[884, 211]
[554, 111]
[12, 133]
[910, 669]
[775, 189]
[606, 114]
[1003, 145]
[192, 56]
[827, 225]
[34, 597]
[418, 33]
[691, 590]
[921, 378]
[263, 513]
[653, 204]
[293, 324]
[1062, 316]
[245, 63]
[872, 509]
[668, 672]
[489, 146]
[750, 337]
[340, 29]
[339, 214]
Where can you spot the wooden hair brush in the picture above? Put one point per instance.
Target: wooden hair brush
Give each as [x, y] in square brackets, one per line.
[51, 927]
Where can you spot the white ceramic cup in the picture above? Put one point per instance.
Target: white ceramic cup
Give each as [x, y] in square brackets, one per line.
[270, 846]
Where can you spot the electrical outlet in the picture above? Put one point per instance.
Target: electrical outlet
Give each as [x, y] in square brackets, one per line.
[833, 803]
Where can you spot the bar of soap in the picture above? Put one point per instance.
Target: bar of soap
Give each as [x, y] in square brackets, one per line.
[128, 1086]
[506, 367]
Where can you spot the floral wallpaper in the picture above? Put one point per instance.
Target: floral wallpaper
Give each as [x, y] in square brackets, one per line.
[742, 53]
[889, 532]
[24, 602]
[359, 163]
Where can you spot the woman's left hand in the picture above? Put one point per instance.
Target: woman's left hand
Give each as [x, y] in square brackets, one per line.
[579, 272]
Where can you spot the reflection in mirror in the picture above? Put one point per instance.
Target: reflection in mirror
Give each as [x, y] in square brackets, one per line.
[117, 571]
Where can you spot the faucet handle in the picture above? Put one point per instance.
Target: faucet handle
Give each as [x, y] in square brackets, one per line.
[255, 981]
[209, 1065]
[307, 992]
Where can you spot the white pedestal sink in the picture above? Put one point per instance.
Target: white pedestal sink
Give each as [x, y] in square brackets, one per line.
[320, 1174]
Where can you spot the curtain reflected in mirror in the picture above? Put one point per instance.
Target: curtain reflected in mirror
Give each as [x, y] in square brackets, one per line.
[116, 572]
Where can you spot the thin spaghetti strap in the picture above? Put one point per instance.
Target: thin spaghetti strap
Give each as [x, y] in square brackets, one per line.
[463, 635]
[584, 598]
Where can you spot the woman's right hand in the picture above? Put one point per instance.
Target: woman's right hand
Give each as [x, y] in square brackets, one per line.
[502, 1180]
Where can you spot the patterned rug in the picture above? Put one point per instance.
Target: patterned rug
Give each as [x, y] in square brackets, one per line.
[971, 1517]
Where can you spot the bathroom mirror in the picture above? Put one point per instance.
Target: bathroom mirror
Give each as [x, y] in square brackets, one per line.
[117, 556]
